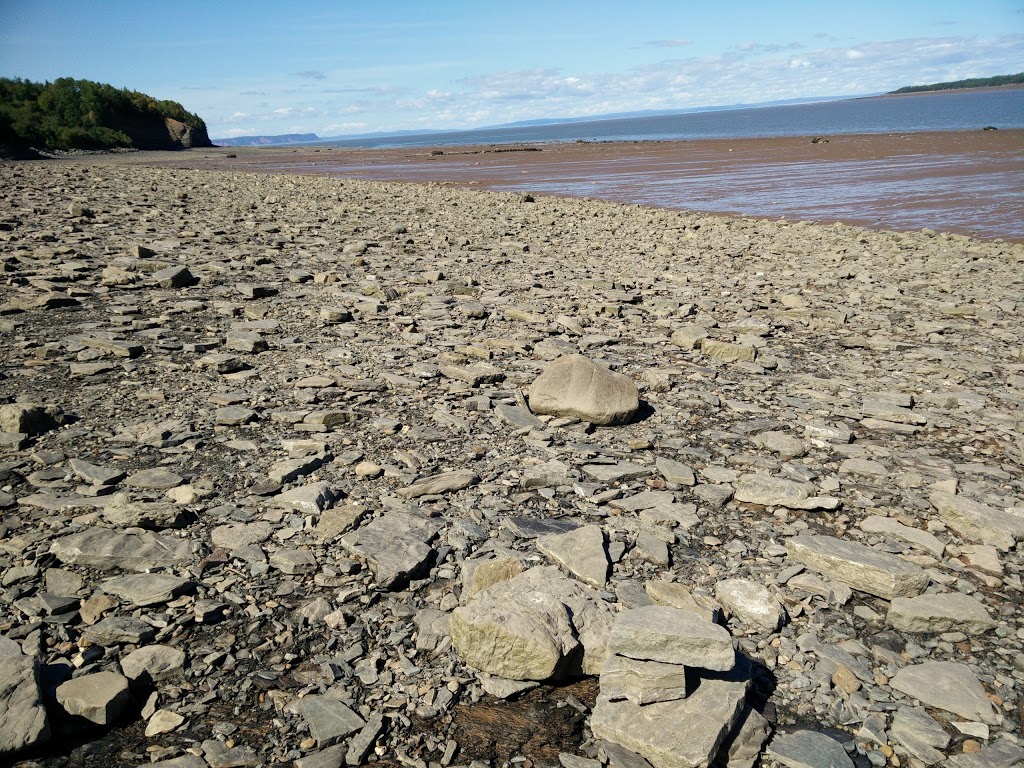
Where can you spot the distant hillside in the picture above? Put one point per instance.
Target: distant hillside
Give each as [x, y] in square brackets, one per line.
[974, 82]
[257, 141]
[81, 114]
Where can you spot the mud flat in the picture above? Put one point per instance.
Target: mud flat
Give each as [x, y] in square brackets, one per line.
[967, 182]
[272, 492]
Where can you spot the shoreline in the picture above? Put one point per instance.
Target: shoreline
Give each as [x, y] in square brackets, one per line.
[956, 181]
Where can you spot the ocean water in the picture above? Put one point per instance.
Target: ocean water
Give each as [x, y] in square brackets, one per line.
[947, 111]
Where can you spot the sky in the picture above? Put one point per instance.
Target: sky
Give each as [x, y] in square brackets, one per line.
[337, 68]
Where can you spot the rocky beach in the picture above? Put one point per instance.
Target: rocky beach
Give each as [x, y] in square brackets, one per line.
[309, 471]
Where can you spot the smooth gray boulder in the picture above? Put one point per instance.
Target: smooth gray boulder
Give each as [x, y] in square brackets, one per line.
[863, 568]
[144, 589]
[106, 549]
[949, 686]
[574, 385]
[945, 612]
[581, 552]
[23, 718]
[100, 697]
[153, 663]
[808, 749]
[673, 636]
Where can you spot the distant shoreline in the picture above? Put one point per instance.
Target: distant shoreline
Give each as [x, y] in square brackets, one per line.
[980, 89]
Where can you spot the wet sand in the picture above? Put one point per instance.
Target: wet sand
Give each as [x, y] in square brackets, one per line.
[968, 182]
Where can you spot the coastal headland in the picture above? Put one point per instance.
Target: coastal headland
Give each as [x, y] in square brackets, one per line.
[318, 471]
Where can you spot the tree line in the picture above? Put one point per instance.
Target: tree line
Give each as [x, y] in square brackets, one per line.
[972, 82]
[82, 114]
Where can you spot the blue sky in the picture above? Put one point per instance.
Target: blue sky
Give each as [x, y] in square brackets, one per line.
[350, 67]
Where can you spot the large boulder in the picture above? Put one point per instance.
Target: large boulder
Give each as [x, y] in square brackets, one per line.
[576, 386]
[23, 720]
[538, 625]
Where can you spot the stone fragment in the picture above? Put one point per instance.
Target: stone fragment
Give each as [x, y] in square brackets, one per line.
[949, 686]
[100, 697]
[329, 720]
[673, 636]
[29, 419]
[174, 277]
[163, 721]
[124, 512]
[105, 549]
[725, 352]
[447, 482]
[808, 749]
[119, 630]
[156, 479]
[94, 474]
[979, 522]
[23, 719]
[575, 386]
[944, 612]
[396, 545]
[311, 498]
[479, 573]
[144, 589]
[678, 596]
[751, 603]
[863, 568]
[362, 743]
[922, 540]
[674, 471]
[643, 682]
[581, 552]
[919, 734]
[773, 491]
[153, 663]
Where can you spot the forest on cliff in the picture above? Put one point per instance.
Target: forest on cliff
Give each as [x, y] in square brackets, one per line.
[82, 114]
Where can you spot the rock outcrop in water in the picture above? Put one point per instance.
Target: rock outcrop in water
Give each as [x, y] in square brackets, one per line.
[275, 487]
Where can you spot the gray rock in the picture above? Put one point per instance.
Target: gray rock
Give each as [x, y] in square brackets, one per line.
[674, 471]
[104, 549]
[1003, 753]
[945, 612]
[751, 603]
[576, 386]
[153, 663]
[147, 588]
[95, 474]
[312, 498]
[686, 733]
[673, 636]
[100, 697]
[156, 479]
[922, 540]
[447, 482]
[949, 686]
[29, 419]
[118, 630]
[396, 545]
[329, 720]
[550, 474]
[643, 682]
[581, 552]
[23, 719]
[124, 512]
[332, 757]
[743, 749]
[185, 761]
[979, 522]
[869, 570]
[774, 491]
[808, 749]
[362, 743]
[919, 734]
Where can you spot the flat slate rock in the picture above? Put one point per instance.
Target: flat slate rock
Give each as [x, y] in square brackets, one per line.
[100, 697]
[672, 636]
[945, 612]
[581, 552]
[949, 686]
[644, 682]
[146, 588]
[329, 720]
[808, 749]
[685, 733]
[863, 568]
[23, 719]
[533, 527]
[447, 482]
[979, 522]
[106, 549]
[396, 545]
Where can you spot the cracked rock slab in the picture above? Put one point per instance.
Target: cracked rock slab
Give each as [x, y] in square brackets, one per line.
[863, 568]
